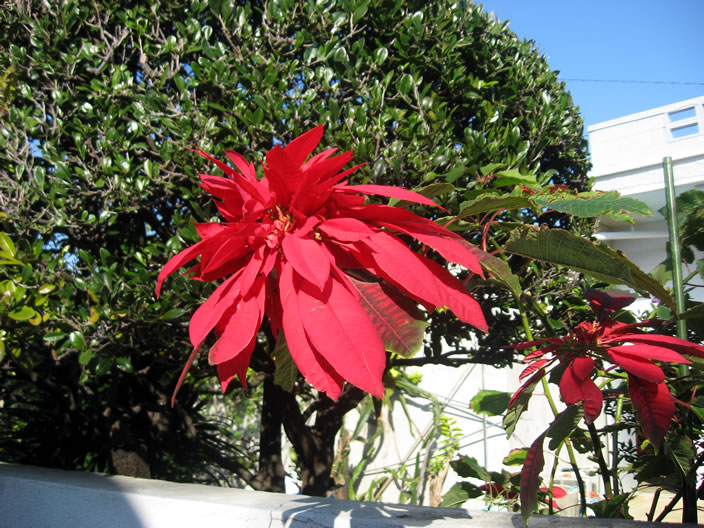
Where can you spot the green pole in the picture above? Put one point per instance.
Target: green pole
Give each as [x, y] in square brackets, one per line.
[675, 252]
[689, 490]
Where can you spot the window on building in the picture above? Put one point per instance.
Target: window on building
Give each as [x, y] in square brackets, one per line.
[683, 123]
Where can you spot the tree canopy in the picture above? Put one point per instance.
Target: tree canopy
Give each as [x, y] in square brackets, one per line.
[100, 104]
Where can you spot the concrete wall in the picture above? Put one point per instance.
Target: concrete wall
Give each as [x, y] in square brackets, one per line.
[37, 497]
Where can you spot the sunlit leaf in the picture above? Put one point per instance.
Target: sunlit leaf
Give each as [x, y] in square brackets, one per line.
[490, 402]
[557, 246]
[459, 494]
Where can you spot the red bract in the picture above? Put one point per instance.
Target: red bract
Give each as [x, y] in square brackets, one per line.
[624, 345]
[286, 248]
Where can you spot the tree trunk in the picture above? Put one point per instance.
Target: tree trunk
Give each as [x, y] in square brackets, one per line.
[315, 445]
[270, 476]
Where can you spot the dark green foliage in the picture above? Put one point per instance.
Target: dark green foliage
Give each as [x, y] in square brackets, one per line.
[98, 104]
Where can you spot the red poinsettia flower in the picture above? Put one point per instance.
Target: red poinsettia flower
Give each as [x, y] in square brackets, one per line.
[286, 248]
[623, 345]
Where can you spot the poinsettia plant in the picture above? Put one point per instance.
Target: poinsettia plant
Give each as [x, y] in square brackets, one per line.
[600, 348]
[300, 247]
[605, 344]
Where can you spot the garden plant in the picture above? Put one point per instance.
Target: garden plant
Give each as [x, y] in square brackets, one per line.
[132, 140]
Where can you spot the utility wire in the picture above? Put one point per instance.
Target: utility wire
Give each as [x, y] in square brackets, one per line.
[631, 81]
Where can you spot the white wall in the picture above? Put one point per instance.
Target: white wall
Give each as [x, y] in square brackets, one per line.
[32, 497]
[627, 156]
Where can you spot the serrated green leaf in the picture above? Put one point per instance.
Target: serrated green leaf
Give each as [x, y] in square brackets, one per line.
[557, 246]
[492, 203]
[563, 425]
[592, 205]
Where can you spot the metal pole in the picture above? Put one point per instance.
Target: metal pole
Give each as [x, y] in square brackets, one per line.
[675, 252]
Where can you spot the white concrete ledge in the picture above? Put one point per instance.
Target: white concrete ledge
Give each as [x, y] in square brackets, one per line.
[35, 497]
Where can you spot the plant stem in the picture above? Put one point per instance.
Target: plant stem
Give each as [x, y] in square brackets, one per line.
[614, 445]
[551, 402]
[570, 452]
[654, 504]
[603, 468]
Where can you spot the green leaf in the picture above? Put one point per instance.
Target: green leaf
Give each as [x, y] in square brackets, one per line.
[563, 425]
[54, 337]
[286, 371]
[514, 177]
[429, 191]
[76, 339]
[696, 312]
[7, 247]
[468, 467]
[557, 246]
[459, 494]
[360, 12]
[490, 402]
[380, 55]
[520, 404]
[124, 363]
[174, 313]
[492, 203]
[499, 269]
[515, 458]
[103, 366]
[85, 357]
[591, 205]
[611, 509]
[23, 313]
[682, 451]
[405, 83]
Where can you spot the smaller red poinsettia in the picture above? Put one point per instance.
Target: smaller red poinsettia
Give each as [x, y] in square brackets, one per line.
[604, 340]
[290, 249]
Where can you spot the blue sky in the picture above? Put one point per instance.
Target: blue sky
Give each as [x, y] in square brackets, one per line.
[615, 40]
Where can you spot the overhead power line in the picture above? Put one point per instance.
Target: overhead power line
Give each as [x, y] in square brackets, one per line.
[571, 79]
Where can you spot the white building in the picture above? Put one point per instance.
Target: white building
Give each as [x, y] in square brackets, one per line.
[627, 156]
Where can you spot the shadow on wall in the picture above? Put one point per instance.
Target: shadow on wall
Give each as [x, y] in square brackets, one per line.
[32, 497]
[314, 511]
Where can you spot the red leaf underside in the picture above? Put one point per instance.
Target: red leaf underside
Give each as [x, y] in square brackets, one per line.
[530, 477]
[655, 406]
[397, 318]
